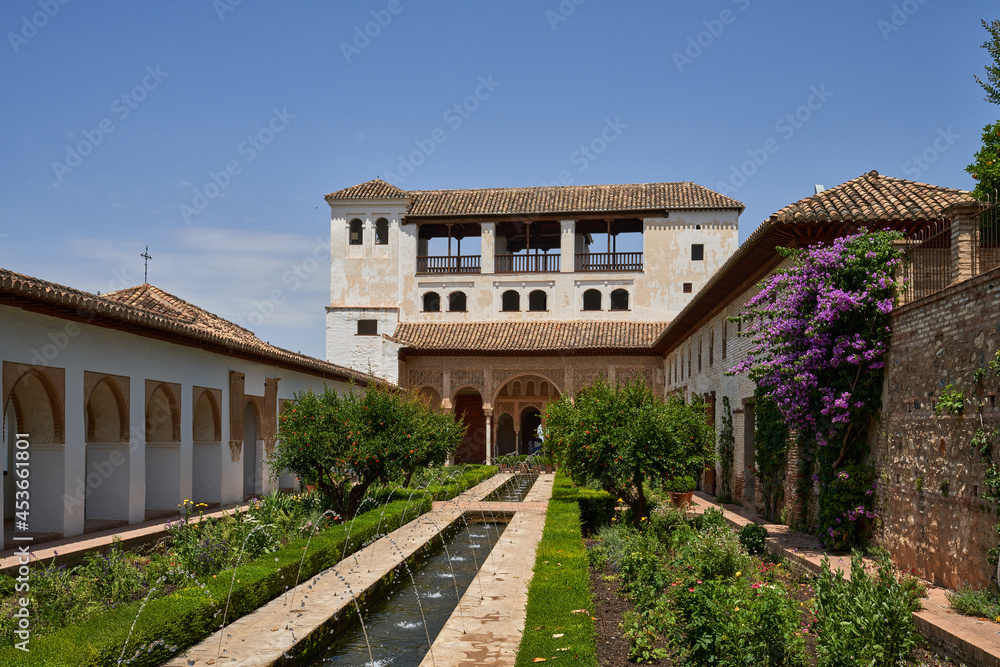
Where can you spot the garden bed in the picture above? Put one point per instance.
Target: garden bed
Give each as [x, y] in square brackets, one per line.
[140, 626]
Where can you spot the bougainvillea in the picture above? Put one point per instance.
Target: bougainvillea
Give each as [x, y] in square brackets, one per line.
[819, 332]
[345, 442]
[622, 436]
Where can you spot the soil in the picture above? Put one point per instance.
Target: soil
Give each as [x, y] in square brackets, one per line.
[612, 646]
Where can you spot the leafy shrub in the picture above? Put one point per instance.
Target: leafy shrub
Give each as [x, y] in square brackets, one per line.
[711, 518]
[972, 602]
[718, 553]
[752, 537]
[865, 621]
[730, 623]
[644, 574]
[679, 484]
[115, 576]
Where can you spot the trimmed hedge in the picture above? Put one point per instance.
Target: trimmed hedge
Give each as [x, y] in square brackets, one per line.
[560, 586]
[188, 616]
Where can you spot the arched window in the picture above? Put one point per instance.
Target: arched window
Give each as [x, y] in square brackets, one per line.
[619, 299]
[592, 299]
[537, 300]
[510, 301]
[456, 302]
[381, 232]
[357, 231]
[432, 302]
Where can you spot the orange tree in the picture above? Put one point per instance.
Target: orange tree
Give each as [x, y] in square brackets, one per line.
[344, 443]
[619, 437]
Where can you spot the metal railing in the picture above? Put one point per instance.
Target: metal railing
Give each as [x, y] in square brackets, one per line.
[526, 263]
[609, 261]
[986, 252]
[446, 264]
[927, 264]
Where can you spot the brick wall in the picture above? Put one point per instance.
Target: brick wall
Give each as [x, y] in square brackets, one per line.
[937, 341]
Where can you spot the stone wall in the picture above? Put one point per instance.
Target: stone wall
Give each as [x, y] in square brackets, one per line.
[937, 341]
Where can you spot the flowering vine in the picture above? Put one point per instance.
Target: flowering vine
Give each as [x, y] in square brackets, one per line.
[819, 332]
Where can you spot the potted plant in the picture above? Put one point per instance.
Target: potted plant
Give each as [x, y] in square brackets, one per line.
[547, 462]
[681, 489]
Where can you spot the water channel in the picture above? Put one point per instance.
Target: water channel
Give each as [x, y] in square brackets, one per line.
[395, 623]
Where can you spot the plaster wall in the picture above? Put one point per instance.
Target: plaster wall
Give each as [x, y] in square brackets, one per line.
[59, 471]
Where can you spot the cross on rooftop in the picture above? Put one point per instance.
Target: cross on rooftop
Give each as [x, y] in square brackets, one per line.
[145, 273]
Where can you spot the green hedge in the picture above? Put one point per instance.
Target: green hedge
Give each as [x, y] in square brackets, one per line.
[560, 585]
[187, 616]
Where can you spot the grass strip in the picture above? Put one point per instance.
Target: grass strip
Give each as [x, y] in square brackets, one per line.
[558, 625]
[189, 615]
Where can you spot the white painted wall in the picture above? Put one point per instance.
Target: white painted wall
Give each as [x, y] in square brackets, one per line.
[60, 479]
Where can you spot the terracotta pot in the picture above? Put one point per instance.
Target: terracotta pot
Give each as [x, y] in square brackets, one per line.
[681, 498]
[310, 487]
[548, 468]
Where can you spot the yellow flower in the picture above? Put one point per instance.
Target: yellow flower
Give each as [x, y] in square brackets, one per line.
[737, 609]
[739, 574]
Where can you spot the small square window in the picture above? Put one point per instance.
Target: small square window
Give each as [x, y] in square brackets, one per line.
[688, 288]
[367, 327]
[697, 252]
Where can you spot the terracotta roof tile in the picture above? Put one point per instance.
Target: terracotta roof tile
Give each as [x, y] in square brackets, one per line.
[373, 189]
[547, 200]
[489, 337]
[150, 308]
[873, 198]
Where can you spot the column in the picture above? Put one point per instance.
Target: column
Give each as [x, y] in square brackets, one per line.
[488, 413]
[567, 246]
[487, 260]
[964, 234]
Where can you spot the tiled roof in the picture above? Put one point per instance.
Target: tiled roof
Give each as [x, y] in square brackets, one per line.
[542, 200]
[492, 337]
[873, 198]
[373, 189]
[148, 309]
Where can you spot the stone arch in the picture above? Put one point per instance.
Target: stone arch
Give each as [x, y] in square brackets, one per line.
[456, 302]
[163, 413]
[163, 448]
[107, 462]
[207, 453]
[592, 299]
[206, 422]
[519, 378]
[468, 408]
[36, 398]
[356, 233]
[432, 302]
[429, 396]
[510, 301]
[531, 419]
[506, 435]
[106, 413]
[381, 232]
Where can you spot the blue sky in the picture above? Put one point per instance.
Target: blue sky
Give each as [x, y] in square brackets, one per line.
[211, 129]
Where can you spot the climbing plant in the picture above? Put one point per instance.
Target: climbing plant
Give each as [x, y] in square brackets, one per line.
[727, 447]
[770, 451]
[819, 331]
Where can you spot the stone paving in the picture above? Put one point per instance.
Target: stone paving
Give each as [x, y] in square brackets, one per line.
[487, 629]
[279, 630]
[971, 640]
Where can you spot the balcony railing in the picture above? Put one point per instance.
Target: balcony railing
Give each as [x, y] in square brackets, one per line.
[526, 263]
[445, 264]
[609, 261]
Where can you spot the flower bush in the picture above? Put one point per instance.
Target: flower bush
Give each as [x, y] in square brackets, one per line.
[819, 332]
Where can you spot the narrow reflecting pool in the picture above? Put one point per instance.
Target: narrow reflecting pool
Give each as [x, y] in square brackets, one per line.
[395, 625]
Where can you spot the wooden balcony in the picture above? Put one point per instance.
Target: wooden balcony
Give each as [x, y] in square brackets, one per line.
[446, 264]
[609, 261]
[527, 264]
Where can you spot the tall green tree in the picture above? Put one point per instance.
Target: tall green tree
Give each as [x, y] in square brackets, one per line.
[622, 436]
[344, 443]
[992, 46]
